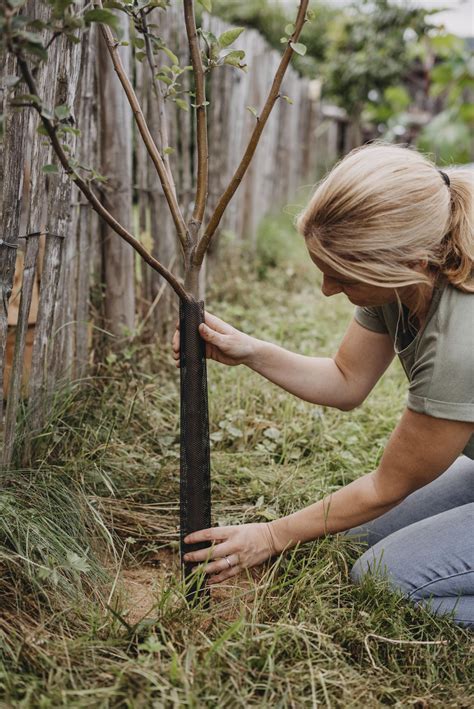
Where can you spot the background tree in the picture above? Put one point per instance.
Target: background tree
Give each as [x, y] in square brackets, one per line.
[368, 53]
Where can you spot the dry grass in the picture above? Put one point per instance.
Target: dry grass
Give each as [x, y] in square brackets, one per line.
[93, 612]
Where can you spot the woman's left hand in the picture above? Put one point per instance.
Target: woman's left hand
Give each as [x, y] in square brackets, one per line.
[244, 545]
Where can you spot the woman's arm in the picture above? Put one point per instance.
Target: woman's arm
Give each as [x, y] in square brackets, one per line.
[343, 381]
[419, 450]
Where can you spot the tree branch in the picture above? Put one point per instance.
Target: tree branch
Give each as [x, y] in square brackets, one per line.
[201, 119]
[112, 46]
[162, 128]
[236, 179]
[89, 194]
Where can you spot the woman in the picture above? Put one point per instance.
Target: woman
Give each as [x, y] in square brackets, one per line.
[395, 235]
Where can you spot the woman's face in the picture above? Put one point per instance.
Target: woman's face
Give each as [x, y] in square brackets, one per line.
[358, 293]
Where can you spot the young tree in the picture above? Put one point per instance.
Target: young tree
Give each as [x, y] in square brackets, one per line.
[27, 41]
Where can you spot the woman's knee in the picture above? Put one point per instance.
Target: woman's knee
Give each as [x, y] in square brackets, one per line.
[385, 564]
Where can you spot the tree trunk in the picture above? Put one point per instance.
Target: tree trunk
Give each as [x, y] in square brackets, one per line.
[116, 165]
[195, 468]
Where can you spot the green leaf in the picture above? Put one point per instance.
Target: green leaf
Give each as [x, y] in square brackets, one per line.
[253, 111]
[62, 112]
[171, 55]
[207, 4]
[46, 113]
[288, 99]
[77, 563]
[234, 58]
[11, 80]
[165, 79]
[182, 104]
[31, 37]
[37, 50]
[27, 98]
[298, 48]
[169, 150]
[105, 17]
[466, 112]
[289, 29]
[50, 169]
[140, 56]
[398, 97]
[229, 36]
[97, 176]
[69, 129]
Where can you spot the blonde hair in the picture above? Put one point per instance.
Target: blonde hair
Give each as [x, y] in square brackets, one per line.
[384, 208]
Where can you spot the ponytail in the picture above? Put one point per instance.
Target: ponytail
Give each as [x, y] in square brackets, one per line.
[457, 247]
[384, 208]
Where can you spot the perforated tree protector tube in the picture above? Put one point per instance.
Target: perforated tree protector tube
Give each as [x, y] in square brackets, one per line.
[195, 473]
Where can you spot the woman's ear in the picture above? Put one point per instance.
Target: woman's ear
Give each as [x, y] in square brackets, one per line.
[421, 265]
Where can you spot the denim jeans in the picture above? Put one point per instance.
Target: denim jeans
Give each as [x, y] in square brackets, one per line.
[424, 546]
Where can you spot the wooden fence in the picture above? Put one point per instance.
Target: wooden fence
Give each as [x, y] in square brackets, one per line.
[67, 272]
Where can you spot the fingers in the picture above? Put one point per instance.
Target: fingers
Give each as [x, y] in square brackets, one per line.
[217, 324]
[218, 565]
[211, 336]
[208, 535]
[218, 578]
[215, 552]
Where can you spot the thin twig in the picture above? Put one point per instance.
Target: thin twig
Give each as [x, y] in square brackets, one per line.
[89, 194]
[224, 200]
[112, 46]
[396, 642]
[201, 119]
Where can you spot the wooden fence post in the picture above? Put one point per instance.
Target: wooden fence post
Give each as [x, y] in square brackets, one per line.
[116, 164]
[11, 173]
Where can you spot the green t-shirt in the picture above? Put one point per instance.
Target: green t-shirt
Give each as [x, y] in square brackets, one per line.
[439, 358]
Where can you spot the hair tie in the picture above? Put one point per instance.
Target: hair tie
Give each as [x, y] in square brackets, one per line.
[445, 178]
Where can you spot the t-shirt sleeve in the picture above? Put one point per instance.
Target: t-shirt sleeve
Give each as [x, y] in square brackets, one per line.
[442, 376]
[370, 318]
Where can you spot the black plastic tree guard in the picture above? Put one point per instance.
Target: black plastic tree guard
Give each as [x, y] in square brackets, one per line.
[195, 469]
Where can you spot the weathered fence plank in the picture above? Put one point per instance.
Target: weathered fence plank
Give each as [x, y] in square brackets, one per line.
[13, 147]
[35, 226]
[116, 165]
[299, 143]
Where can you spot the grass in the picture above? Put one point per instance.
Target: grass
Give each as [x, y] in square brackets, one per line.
[101, 495]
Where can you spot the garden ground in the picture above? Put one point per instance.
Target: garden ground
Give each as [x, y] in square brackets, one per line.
[92, 603]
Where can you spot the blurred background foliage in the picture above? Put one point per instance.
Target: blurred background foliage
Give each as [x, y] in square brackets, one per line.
[397, 72]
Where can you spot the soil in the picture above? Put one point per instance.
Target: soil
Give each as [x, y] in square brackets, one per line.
[141, 584]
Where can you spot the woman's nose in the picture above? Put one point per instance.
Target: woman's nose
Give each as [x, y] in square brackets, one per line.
[330, 286]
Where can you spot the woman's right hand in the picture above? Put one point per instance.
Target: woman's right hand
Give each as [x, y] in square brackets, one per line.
[224, 343]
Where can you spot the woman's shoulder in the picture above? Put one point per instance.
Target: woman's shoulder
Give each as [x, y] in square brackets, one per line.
[453, 320]
[442, 374]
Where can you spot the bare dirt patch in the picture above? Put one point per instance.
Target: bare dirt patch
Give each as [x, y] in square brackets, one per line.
[142, 584]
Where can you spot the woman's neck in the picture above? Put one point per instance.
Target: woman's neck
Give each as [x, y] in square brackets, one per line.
[417, 299]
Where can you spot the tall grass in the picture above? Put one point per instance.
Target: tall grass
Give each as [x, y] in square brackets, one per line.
[102, 494]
